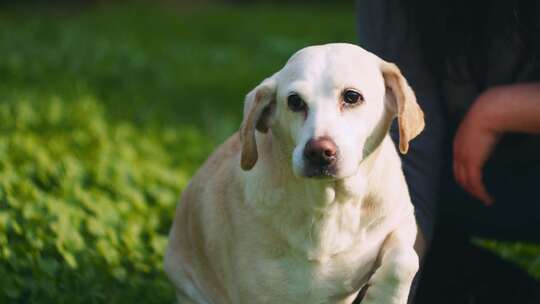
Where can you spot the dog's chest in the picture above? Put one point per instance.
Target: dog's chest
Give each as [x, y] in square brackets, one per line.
[294, 277]
[310, 246]
[322, 260]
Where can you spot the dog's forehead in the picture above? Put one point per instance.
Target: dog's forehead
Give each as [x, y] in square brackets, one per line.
[339, 61]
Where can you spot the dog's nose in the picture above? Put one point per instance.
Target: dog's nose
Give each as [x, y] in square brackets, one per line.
[321, 151]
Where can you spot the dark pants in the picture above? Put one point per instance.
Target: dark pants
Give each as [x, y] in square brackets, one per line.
[457, 271]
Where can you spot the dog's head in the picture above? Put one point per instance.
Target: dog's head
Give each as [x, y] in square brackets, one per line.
[327, 107]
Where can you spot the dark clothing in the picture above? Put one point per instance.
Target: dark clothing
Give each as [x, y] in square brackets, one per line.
[512, 175]
[512, 172]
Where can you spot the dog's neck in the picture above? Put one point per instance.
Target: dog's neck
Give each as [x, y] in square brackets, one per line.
[317, 217]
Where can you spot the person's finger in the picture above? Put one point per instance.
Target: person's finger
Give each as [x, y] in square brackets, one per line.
[465, 178]
[458, 160]
[459, 173]
[475, 185]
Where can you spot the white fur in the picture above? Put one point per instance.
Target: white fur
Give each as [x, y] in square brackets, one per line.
[270, 235]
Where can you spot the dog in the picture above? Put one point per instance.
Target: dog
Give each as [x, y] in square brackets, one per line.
[307, 203]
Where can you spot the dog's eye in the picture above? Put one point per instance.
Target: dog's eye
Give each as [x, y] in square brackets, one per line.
[351, 97]
[295, 103]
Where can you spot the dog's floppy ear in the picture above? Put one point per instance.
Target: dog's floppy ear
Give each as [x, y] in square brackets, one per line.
[258, 109]
[402, 100]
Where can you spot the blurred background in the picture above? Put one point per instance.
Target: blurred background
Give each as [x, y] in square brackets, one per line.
[106, 110]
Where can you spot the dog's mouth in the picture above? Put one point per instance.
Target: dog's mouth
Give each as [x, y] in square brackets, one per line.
[320, 172]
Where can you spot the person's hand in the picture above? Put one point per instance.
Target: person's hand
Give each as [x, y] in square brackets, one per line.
[473, 144]
[510, 108]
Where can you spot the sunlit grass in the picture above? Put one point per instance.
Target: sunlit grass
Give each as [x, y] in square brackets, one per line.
[105, 112]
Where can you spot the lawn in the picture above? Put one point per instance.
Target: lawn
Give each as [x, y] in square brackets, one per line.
[105, 112]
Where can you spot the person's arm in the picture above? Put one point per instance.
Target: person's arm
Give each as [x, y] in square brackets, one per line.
[511, 108]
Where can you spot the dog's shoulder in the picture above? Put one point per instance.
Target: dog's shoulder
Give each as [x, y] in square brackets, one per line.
[219, 174]
[203, 210]
[221, 158]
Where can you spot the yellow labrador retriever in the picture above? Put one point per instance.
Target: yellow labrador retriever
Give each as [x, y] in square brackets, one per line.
[307, 203]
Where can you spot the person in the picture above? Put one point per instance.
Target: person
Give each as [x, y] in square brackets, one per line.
[475, 69]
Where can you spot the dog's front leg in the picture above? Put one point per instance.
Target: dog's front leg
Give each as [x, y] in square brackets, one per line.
[391, 282]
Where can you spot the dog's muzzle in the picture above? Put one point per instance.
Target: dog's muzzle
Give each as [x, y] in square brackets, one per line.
[320, 157]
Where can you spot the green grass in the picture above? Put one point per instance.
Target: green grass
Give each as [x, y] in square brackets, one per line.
[105, 113]
[189, 65]
[526, 255]
[85, 204]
